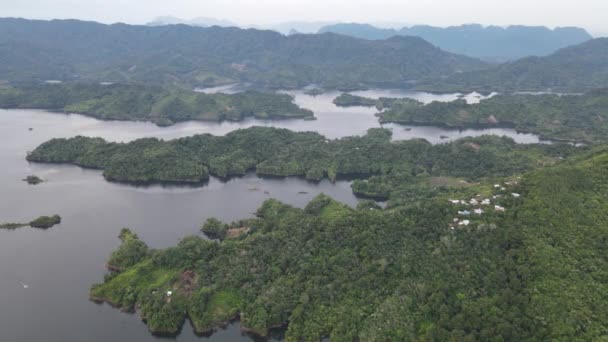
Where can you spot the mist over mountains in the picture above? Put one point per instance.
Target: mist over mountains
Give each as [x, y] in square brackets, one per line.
[193, 56]
[286, 27]
[491, 43]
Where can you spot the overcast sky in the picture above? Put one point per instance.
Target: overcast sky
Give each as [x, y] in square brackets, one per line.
[590, 14]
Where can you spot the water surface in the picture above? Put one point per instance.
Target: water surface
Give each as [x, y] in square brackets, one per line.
[60, 264]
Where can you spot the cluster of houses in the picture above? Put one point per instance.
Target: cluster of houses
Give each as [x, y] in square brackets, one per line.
[480, 205]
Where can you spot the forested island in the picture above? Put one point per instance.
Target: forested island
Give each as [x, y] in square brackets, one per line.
[577, 118]
[523, 259]
[42, 222]
[349, 100]
[33, 180]
[280, 152]
[163, 106]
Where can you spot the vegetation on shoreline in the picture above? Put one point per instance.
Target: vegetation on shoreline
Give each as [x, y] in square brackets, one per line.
[42, 222]
[526, 272]
[162, 106]
[556, 117]
[280, 152]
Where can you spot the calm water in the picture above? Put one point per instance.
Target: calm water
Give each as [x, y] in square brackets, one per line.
[60, 264]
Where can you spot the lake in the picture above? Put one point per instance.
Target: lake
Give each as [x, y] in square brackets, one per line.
[61, 264]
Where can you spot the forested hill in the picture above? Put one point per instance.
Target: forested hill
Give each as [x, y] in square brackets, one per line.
[573, 69]
[581, 118]
[163, 106]
[194, 56]
[280, 152]
[530, 266]
[492, 43]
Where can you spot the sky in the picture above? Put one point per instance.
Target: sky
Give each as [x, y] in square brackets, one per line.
[590, 14]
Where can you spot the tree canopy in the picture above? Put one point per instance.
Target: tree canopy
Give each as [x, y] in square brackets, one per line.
[534, 270]
[163, 106]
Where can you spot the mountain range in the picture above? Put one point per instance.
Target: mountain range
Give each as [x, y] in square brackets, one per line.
[578, 68]
[65, 50]
[490, 43]
[198, 21]
[286, 27]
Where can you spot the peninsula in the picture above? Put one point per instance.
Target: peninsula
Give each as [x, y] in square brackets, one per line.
[163, 106]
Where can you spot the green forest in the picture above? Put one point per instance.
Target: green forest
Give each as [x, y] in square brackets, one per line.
[280, 152]
[531, 267]
[196, 56]
[475, 239]
[163, 106]
[349, 100]
[577, 68]
[581, 118]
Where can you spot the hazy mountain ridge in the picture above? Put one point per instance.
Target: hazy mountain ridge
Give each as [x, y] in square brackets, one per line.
[286, 27]
[577, 68]
[32, 50]
[198, 21]
[489, 43]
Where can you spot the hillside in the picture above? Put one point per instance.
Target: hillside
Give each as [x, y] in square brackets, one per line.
[530, 266]
[573, 69]
[189, 56]
[558, 117]
[491, 43]
[134, 102]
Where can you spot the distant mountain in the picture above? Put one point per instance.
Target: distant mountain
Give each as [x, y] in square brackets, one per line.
[364, 31]
[573, 69]
[300, 26]
[199, 21]
[282, 27]
[491, 43]
[33, 50]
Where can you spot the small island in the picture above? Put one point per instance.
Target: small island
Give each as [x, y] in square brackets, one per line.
[42, 222]
[33, 180]
[314, 91]
[349, 100]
